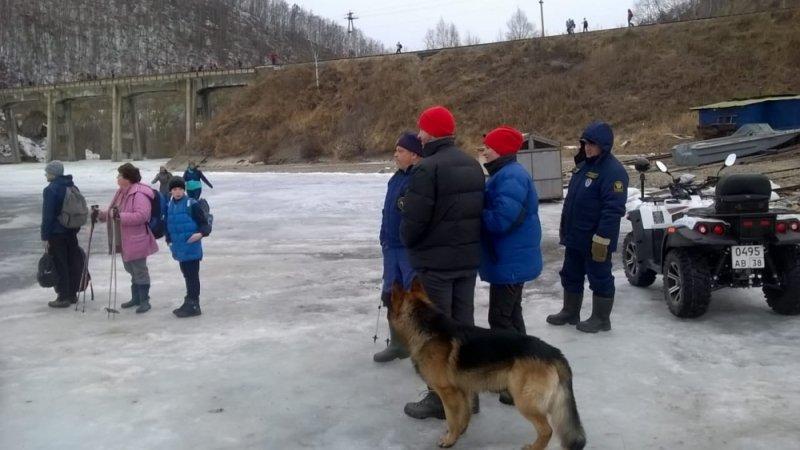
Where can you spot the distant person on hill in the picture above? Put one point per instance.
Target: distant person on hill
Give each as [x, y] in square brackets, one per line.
[585, 25]
[399, 48]
[194, 179]
[630, 17]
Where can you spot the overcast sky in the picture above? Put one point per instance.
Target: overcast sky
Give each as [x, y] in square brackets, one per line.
[407, 21]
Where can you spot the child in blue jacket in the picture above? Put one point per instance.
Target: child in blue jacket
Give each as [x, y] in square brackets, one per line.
[396, 266]
[187, 224]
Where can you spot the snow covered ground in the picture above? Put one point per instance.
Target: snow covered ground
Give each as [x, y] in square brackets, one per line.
[281, 357]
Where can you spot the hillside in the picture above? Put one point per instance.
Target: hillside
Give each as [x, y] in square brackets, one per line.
[642, 80]
[45, 41]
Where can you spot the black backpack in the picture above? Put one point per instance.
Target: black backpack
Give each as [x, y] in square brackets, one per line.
[46, 275]
[156, 222]
[206, 209]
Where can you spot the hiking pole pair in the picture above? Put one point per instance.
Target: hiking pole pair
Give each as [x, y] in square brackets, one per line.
[377, 324]
[85, 273]
[112, 279]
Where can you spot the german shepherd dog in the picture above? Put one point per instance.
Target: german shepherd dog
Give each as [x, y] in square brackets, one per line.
[459, 360]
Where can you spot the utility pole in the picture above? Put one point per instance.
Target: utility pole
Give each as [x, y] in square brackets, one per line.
[350, 28]
[541, 10]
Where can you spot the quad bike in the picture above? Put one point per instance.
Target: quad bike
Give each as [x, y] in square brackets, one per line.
[703, 237]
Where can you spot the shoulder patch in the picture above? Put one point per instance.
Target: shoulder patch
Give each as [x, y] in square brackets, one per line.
[619, 186]
[592, 175]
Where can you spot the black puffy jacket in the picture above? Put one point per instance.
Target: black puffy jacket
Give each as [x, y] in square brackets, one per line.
[441, 224]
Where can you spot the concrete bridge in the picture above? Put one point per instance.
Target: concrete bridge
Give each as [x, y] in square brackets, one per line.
[57, 99]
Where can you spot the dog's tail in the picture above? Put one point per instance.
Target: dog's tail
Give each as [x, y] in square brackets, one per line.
[564, 411]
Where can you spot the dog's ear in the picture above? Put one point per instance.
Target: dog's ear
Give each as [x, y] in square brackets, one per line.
[417, 288]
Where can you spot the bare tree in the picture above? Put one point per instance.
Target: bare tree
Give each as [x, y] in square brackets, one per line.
[443, 35]
[519, 27]
[471, 39]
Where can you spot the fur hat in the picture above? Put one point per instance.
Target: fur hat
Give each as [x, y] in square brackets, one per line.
[177, 182]
[410, 142]
[437, 121]
[54, 168]
[504, 140]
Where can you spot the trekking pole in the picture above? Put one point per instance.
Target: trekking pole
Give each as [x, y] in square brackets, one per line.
[112, 279]
[85, 272]
[377, 323]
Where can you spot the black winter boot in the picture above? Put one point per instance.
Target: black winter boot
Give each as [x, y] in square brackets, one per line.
[59, 302]
[600, 320]
[431, 406]
[182, 308]
[190, 308]
[394, 350]
[144, 298]
[134, 297]
[570, 313]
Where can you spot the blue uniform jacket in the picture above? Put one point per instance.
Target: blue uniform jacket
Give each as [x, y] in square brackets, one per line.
[184, 218]
[53, 201]
[596, 196]
[396, 265]
[510, 256]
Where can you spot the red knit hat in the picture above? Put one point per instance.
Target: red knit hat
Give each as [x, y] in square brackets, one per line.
[504, 140]
[437, 121]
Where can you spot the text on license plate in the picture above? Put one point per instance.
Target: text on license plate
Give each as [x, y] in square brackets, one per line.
[747, 257]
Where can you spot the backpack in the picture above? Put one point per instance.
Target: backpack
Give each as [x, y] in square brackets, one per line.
[74, 211]
[206, 210]
[46, 274]
[156, 222]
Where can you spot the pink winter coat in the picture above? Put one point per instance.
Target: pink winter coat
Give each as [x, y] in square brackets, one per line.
[134, 213]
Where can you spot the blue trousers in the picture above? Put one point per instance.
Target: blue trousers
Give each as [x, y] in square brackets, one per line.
[579, 266]
[396, 268]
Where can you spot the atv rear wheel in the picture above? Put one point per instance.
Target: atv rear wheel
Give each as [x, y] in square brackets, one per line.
[786, 299]
[687, 283]
[636, 273]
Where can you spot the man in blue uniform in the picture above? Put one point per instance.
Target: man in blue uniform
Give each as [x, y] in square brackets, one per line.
[589, 230]
[396, 266]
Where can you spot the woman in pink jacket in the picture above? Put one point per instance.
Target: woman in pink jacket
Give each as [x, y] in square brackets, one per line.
[130, 214]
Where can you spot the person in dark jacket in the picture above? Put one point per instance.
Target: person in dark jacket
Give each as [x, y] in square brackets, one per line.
[441, 227]
[396, 266]
[187, 224]
[511, 232]
[194, 179]
[60, 242]
[590, 223]
[162, 178]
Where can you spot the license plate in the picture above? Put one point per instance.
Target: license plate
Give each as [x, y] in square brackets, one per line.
[747, 257]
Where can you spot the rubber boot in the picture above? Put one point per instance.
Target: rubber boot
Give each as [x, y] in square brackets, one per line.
[431, 406]
[144, 298]
[134, 297]
[192, 309]
[59, 302]
[394, 350]
[600, 320]
[570, 313]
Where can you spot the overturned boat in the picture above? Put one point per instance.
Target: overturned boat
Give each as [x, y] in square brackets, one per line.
[750, 139]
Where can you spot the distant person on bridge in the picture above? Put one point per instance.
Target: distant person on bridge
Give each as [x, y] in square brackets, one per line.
[399, 48]
[585, 25]
[194, 181]
[630, 17]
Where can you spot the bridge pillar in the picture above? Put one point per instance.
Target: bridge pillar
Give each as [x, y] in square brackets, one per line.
[205, 106]
[11, 126]
[51, 125]
[116, 123]
[191, 110]
[137, 136]
[69, 130]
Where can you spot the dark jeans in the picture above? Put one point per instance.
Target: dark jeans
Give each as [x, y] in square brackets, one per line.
[69, 263]
[505, 307]
[195, 194]
[577, 267]
[452, 292]
[191, 274]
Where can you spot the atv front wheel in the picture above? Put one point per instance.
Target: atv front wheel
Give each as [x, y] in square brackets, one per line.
[786, 299]
[636, 273]
[687, 283]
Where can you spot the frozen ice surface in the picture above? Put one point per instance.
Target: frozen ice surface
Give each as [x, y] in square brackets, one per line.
[281, 357]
